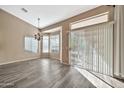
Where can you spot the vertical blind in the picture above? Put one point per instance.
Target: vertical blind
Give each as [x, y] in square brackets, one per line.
[92, 48]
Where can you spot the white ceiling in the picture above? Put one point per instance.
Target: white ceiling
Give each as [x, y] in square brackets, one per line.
[48, 14]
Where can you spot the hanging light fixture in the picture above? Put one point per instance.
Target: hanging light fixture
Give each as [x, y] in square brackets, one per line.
[38, 36]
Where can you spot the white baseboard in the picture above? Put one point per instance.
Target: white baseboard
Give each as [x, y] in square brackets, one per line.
[122, 76]
[65, 63]
[119, 76]
[54, 58]
[59, 60]
[19, 60]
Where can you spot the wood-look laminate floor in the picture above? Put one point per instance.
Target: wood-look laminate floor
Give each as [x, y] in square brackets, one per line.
[41, 73]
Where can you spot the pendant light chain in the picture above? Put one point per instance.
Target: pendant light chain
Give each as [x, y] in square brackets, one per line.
[38, 36]
[38, 23]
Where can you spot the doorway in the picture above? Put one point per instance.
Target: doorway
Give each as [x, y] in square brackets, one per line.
[52, 43]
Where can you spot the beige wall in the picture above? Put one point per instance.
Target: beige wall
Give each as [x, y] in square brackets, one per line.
[12, 33]
[1, 46]
[66, 29]
[119, 42]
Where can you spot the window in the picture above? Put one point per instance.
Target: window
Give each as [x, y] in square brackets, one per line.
[90, 21]
[34, 45]
[54, 43]
[45, 44]
[31, 44]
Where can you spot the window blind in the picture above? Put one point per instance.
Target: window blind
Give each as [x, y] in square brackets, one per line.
[92, 48]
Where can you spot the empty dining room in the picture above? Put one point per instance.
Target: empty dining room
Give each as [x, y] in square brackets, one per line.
[61, 46]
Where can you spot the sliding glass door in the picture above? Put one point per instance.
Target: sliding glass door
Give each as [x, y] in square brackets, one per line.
[91, 48]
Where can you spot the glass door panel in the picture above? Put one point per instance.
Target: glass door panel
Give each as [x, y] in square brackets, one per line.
[92, 48]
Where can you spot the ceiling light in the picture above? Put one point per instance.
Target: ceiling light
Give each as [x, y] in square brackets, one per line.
[38, 36]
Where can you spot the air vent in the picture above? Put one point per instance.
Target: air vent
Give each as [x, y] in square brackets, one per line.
[24, 10]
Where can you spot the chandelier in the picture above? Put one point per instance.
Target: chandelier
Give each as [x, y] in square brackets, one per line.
[38, 36]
